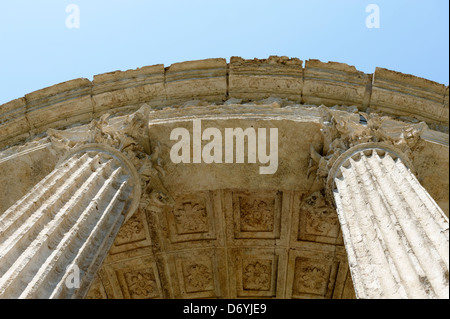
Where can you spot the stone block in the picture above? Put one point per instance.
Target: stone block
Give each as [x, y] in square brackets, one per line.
[399, 94]
[114, 90]
[334, 83]
[257, 272]
[14, 126]
[60, 105]
[262, 78]
[197, 80]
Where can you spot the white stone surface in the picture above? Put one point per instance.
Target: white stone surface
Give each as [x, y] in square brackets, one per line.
[66, 219]
[396, 236]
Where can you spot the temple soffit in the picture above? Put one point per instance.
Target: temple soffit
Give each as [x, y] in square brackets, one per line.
[342, 131]
[342, 128]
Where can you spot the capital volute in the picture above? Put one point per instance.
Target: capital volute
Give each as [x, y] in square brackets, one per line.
[346, 134]
[127, 135]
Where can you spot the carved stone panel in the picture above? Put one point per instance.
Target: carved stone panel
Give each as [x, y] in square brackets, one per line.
[311, 277]
[317, 221]
[229, 244]
[255, 218]
[194, 219]
[141, 284]
[135, 278]
[313, 272]
[131, 231]
[190, 218]
[257, 273]
[133, 234]
[256, 215]
[198, 273]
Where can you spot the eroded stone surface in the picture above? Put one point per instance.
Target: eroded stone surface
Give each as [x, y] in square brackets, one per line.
[215, 81]
[217, 250]
[396, 236]
[224, 230]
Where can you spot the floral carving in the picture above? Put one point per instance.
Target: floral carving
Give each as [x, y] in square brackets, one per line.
[257, 275]
[321, 219]
[310, 278]
[141, 284]
[191, 217]
[132, 230]
[198, 277]
[256, 214]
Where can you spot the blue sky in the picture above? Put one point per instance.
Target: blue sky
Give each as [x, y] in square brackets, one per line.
[38, 50]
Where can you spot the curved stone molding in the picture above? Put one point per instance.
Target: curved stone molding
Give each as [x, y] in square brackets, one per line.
[395, 234]
[66, 224]
[215, 81]
[410, 96]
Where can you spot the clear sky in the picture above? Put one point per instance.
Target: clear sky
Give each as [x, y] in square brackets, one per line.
[37, 49]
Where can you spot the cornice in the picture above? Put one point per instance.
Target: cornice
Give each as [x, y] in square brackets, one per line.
[215, 81]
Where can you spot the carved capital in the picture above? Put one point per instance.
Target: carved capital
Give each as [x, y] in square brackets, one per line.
[343, 130]
[128, 135]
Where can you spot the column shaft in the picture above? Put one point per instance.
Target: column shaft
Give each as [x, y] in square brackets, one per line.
[53, 240]
[395, 234]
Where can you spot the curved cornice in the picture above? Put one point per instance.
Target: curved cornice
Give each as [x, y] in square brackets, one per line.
[80, 101]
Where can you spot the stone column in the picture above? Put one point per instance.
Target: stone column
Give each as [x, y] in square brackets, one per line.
[396, 236]
[53, 240]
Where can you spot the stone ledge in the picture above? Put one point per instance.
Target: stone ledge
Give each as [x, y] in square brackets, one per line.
[13, 123]
[401, 94]
[259, 79]
[203, 79]
[116, 89]
[334, 83]
[60, 105]
[77, 101]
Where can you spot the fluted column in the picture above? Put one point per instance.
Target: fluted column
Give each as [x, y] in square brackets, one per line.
[396, 236]
[68, 220]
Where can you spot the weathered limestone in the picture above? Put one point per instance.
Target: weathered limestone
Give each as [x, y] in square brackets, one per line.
[28, 166]
[60, 105]
[399, 94]
[335, 84]
[262, 78]
[215, 81]
[222, 230]
[396, 236]
[112, 91]
[196, 80]
[68, 219]
[13, 123]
